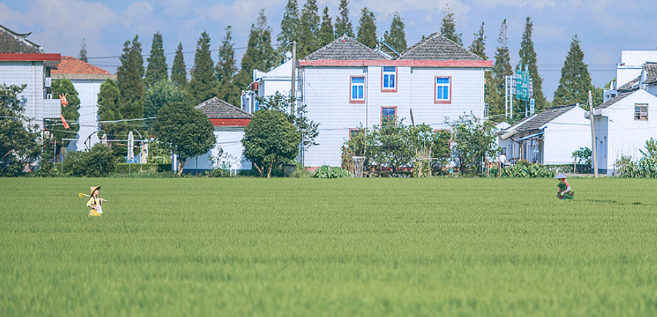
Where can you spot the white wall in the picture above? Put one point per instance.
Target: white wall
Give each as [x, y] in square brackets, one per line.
[633, 62]
[88, 90]
[32, 98]
[228, 139]
[564, 135]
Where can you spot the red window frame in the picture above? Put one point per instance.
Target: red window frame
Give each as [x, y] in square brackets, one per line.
[389, 107]
[396, 80]
[364, 90]
[435, 86]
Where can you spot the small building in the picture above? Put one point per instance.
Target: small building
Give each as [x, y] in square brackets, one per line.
[266, 84]
[549, 137]
[229, 123]
[86, 79]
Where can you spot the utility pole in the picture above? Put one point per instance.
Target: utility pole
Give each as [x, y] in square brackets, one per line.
[294, 68]
[593, 150]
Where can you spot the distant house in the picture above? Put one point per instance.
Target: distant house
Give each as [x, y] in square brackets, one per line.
[549, 137]
[25, 63]
[347, 85]
[265, 84]
[631, 71]
[86, 79]
[229, 123]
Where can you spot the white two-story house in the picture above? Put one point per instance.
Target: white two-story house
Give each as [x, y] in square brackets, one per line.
[347, 85]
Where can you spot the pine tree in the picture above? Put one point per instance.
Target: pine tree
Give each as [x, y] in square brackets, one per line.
[396, 37]
[289, 27]
[528, 57]
[226, 69]
[178, 70]
[367, 28]
[501, 68]
[308, 30]
[478, 45]
[203, 84]
[108, 109]
[259, 53]
[326, 34]
[83, 51]
[448, 27]
[130, 80]
[575, 81]
[342, 24]
[157, 62]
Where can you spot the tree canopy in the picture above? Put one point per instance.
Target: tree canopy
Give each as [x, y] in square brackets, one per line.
[308, 29]
[397, 36]
[71, 112]
[226, 69]
[326, 34]
[367, 28]
[528, 57]
[474, 141]
[501, 68]
[259, 53]
[448, 27]
[83, 51]
[289, 27]
[342, 23]
[178, 70]
[18, 143]
[575, 81]
[478, 45]
[203, 83]
[157, 62]
[160, 94]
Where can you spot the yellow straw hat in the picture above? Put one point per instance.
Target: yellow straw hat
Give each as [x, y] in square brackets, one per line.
[93, 189]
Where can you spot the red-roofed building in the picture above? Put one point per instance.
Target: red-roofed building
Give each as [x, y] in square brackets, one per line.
[86, 79]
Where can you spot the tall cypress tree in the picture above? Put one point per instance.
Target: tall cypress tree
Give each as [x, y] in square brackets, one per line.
[575, 81]
[308, 29]
[178, 70]
[448, 27]
[203, 84]
[367, 28]
[501, 68]
[528, 57]
[342, 24]
[259, 53]
[130, 80]
[226, 69]
[289, 27]
[83, 51]
[326, 34]
[157, 62]
[478, 45]
[397, 36]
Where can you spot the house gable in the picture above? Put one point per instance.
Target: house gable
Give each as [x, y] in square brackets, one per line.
[436, 47]
[223, 114]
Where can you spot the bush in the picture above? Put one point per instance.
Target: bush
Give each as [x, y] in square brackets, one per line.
[98, 162]
[332, 172]
[149, 168]
[527, 170]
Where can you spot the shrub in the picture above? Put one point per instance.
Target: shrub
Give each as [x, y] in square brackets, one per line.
[527, 170]
[331, 172]
[98, 162]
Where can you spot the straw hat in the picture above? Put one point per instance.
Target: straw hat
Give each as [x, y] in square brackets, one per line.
[560, 175]
[93, 189]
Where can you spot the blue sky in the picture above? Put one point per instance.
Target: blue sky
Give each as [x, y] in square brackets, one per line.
[605, 27]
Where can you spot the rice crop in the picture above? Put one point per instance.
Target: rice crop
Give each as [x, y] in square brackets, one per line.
[343, 247]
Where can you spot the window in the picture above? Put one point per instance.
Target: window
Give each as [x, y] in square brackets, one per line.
[388, 114]
[353, 133]
[641, 111]
[389, 79]
[357, 90]
[443, 90]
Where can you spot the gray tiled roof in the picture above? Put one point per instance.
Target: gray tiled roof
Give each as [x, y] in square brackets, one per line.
[216, 108]
[651, 73]
[615, 99]
[630, 86]
[438, 48]
[544, 117]
[12, 42]
[346, 49]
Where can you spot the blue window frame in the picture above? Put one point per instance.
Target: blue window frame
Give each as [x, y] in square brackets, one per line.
[389, 77]
[357, 89]
[443, 87]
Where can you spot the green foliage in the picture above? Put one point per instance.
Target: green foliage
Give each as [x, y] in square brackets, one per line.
[325, 171]
[478, 45]
[97, 162]
[583, 156]
[494, 96]
[203, 84]
[527, 170]
[71, 112]
[342, 23]
[157, 62]
[397, 36]
[308, 30]
[18, 143]
[83, 51]
[158, 154]
[160, 94]
[289, 27]
[646, 167]
[528, 57]
[130, 80]
[474, 141]
[184, 130]
[367, 28]
[575, 81]
[178, 70]
[448, 27]
[325, 34]
[225, 71]
[307, 128]
[259, 53]
[108, 110]
[270, 140]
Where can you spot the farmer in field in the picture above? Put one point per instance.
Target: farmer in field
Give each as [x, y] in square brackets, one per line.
[95, 203]
[565, 192]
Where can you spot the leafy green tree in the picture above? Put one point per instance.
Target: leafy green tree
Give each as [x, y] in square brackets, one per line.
[108, 109]
[157, 62]
[130, 80]
[226, 69]
[342, 24]
[528, 57]
[270, 140]
[203, 84]
[367, 28]
[448, 27]
[289, 27]
[391, 145]
[71, 112]
[308, 29]
[575, 81]
[178, 70]
[397, 36]
[474, 141]
[98, 162]
[18, 144]
[308, 129]
[83, 51]
[259, 53]
[326, 34]
[502, 67]
[478, 45]
[162, 93]
[184, 130]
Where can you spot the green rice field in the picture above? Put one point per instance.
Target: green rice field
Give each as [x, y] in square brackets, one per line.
[345, 247]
